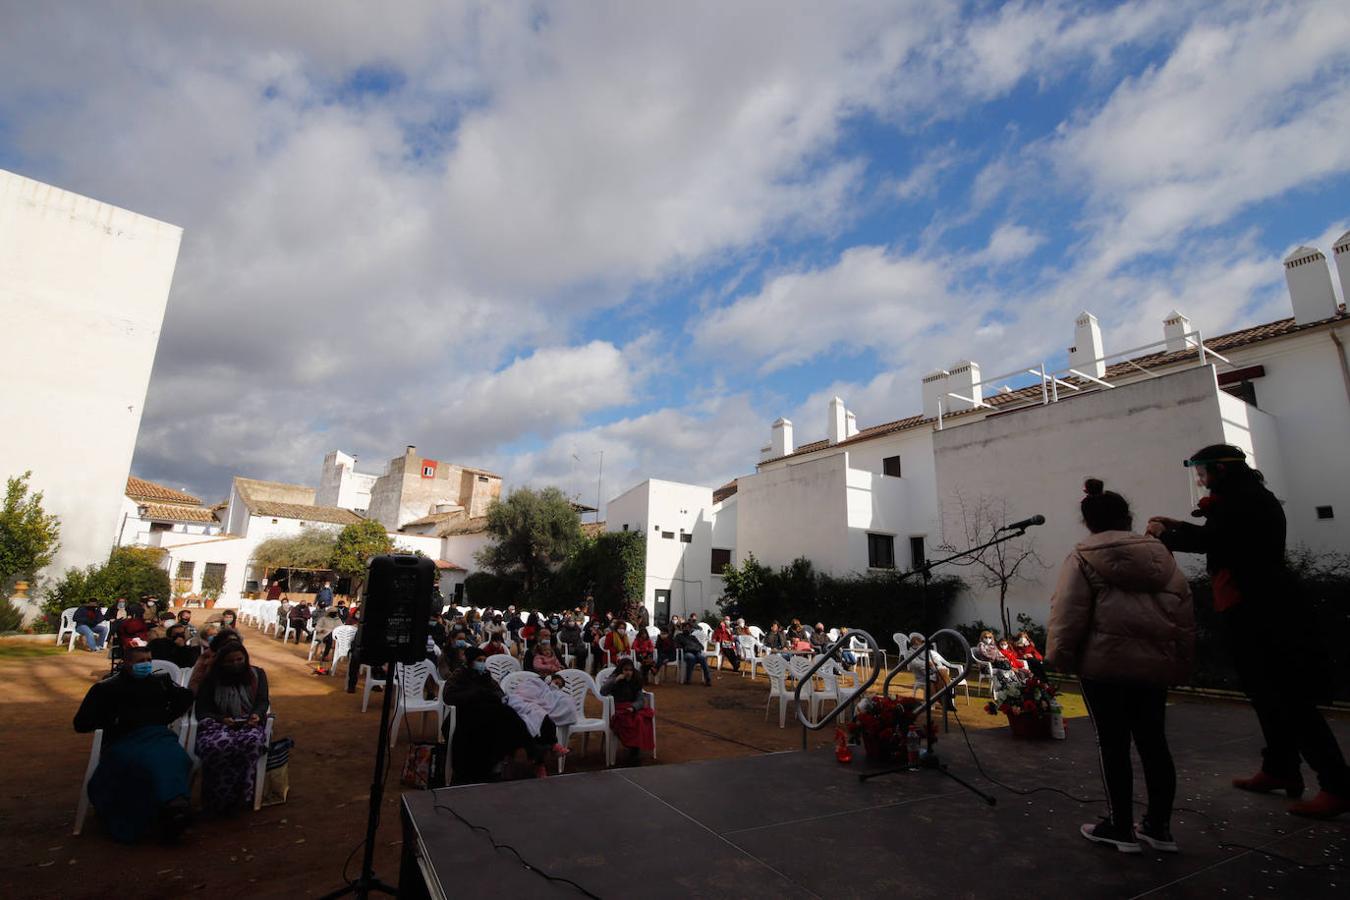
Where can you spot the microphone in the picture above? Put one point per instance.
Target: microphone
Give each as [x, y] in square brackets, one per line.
[1024, 524]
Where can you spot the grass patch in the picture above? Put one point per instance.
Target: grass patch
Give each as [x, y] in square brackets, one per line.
[23, 649]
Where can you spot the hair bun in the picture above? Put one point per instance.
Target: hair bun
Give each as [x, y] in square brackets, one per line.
[1093, 487]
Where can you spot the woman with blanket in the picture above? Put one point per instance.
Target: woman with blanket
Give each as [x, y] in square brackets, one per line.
[632, 719]
[542, 707]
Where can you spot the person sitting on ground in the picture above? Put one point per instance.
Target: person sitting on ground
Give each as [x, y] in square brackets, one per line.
[91, 625]
[1026, 651]
[299, 621]
[232, 704]
[725, 638]
[488, 732]
[329, 622]
[644, 652]
[142, 775]
[691, 645]
[616, 643]
[174, 648]
[939, 675]
[631, 719]
[987, 650]
[185, 619]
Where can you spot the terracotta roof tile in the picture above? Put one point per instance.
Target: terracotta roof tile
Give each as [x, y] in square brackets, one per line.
[140, 489]
[176, 513]
[476, 525]
[437, 518]
[331, 514]
[724, 491]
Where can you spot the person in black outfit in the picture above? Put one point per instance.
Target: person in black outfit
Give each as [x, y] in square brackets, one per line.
[487, 731]
[174, 647]
[1243, 539]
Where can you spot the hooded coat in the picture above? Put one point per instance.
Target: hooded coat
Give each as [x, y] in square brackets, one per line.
[1122, 612]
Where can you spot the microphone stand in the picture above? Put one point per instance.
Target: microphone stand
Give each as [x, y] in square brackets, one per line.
[930, 760]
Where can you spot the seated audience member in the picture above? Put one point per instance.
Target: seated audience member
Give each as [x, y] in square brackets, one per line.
[616, 642]
[232, 705]
[495, 646]
[545, 659]
[1026, 651]
[513, 624]
[665, 650]
[283, 614]
[799, 642]
[594, 636]
[691, 645]
[91, 625]
[324, 598]
[1019, 668]
[774, 638]
[438, 631]
[631, 719]
[725, 638]
[846, 655]
[987, 650]
[174, 648]
[488, 732]
[570, 637]
[160, 628]
[644, 651]
[529, 630]
[820, 639]
[299, 621]
[227, 620]
[142, 776]
[185, 619]
[939, 676]
[543, 704]
[134, 625]
[330, 621]
[206, 634]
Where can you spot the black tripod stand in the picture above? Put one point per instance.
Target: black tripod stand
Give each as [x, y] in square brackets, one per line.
[930, 760]
[367, 882]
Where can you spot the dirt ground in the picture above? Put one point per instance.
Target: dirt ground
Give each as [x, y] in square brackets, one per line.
[296, 849]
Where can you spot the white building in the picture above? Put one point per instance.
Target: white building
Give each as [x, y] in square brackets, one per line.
[83, 287]
[886, 496]
[151, 511]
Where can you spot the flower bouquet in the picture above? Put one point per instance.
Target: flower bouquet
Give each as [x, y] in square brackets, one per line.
[1028, 704]
[883, 724]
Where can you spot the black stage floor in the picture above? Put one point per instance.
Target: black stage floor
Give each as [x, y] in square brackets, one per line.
[802, 825]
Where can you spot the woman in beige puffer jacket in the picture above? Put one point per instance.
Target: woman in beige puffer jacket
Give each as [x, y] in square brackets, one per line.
[1122, 619]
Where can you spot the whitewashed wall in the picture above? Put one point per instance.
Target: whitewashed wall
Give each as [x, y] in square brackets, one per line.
[83, 287]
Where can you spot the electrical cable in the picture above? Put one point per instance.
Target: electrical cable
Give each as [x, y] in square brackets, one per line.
[498, 845]
[1212, 823]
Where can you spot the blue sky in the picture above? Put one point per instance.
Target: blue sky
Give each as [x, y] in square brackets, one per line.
[514, 234]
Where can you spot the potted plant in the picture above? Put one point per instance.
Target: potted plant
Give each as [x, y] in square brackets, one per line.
[1028, 704]
[882, 724]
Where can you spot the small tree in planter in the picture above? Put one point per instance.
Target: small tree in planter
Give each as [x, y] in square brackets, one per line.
[213, 582]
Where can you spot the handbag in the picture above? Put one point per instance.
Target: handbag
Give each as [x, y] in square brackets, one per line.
[277, 779]
[418, 766]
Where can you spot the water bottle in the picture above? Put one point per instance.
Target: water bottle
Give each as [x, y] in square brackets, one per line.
[1057, 722]
[914, 742]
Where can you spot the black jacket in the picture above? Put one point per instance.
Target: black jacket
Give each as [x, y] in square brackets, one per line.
[122, 703]
[1243, 534]
[88, 617]
[182, 656]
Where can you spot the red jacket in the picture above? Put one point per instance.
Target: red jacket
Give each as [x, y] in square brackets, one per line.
[130, 627]
[1027, 652]
[616, 644]
[1012, 658]
[722, 636]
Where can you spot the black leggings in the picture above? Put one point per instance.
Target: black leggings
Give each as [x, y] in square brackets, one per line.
[1121, 712]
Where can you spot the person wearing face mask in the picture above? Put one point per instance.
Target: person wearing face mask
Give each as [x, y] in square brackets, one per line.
[488, 732]
[232, 704]
[142, 779]
[174, 648]
[544, 638]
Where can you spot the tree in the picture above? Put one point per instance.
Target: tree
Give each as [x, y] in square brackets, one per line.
[131, 572]
[979, 520]
[29, 537]
[356, 545]
[533, 532]
[312, 548]
[612, 567]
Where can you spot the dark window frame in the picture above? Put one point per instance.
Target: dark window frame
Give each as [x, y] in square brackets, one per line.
[886, 466]
[877, 557]
[720, 563]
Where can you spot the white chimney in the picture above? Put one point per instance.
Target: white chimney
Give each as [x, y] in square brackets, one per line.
[850, 423]
[1341, 250]
[1086, 353]
[1175, 328]
[781, 442]
[1309, 280]
[838, 424]
[964, 378]
[935, 392]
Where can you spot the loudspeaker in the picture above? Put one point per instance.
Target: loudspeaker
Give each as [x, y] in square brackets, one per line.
[396, 613]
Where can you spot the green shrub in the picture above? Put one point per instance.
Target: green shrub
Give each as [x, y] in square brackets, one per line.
[130, 572]
[487, 589]
[10, 618]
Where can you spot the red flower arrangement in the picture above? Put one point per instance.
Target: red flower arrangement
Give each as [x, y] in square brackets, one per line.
[1013, 697]
[883, 725]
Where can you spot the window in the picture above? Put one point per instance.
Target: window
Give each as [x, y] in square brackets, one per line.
[625, 526]
[686, 538]
[274, 521]
[881, 551]
[213, 576]
[483, 478]
[668, 535]
[185, 570]
[428, 471]
[917, 557]
[1244, 391]
[721, 558]
[160, 526]
[891, 466]
[1325, 512]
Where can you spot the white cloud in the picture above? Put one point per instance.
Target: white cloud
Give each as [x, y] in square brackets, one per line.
[1009, 242]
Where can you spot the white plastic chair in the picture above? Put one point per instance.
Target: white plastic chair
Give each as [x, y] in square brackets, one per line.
[82, 808]
[776, 670]
[756, 632]
[577, 685]
[369, 685]
[829, 675]
[67, 629]
[750, 657]
[411, 683]
[510, 680]
[648, 698]
[499, 665]
[165, 667]
[343, 636]
[984, 671]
